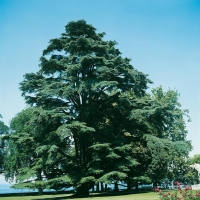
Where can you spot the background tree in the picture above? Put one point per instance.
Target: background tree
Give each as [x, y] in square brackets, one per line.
[191, 175]
[31, 153]
[194, 159]
[3, 130]
[167, 139]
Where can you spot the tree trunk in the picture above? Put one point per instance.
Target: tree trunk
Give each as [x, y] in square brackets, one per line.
[155, 184]
[39, 177]
[106, 187]
[136, 185]
[93, 188]
[102, 187]
[116, 189]
[40, 191]
[129, 185]
[97, 187]
[82, 191]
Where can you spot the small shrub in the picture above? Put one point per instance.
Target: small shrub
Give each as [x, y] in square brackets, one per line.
[179, 194]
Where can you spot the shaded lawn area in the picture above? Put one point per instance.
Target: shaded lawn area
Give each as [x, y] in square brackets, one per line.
[140, 196]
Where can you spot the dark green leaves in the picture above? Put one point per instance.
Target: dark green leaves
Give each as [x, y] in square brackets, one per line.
[93, 119]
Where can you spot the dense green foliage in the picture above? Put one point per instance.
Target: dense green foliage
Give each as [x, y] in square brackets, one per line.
[190, 175]
[3, 130]
[31, 150]
[92, 120]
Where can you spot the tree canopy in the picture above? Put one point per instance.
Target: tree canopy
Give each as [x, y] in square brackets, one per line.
[92, 118]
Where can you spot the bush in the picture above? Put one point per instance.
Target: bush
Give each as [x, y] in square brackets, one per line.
[179, 194]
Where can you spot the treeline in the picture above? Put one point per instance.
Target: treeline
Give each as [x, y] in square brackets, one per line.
[91, 119]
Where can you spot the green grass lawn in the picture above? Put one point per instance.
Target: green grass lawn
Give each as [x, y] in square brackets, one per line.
[95, 196]
[141, 196]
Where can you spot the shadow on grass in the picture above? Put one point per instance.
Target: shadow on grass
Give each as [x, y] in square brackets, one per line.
[71, 195]
[93, 195]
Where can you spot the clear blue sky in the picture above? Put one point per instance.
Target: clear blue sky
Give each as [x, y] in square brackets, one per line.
[161, 37]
